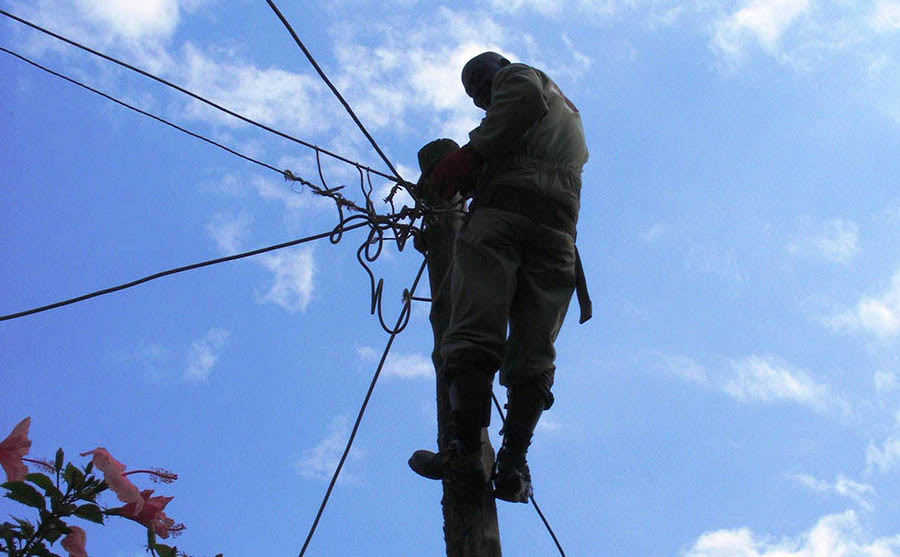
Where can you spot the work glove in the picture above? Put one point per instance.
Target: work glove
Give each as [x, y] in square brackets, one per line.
[455, 173]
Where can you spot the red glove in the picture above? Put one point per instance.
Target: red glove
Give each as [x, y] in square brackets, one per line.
[455, 172]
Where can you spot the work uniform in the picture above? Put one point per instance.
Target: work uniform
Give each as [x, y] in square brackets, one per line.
[515, 258]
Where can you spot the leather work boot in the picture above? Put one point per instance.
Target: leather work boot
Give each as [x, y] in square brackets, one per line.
[464, 470]
[512, 478]
[427, 464]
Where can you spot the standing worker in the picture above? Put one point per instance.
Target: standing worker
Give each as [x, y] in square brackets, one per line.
[515, 266]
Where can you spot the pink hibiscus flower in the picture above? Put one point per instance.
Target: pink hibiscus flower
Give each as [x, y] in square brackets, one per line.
[113, 474]
[151, 514]
[12, 449]
[74, 542]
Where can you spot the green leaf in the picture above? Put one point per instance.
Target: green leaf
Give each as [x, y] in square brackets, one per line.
[73, 476]
[89, 468]
[44, 483]
[25, 527]
[23, 493]
[90, 512]
[60, 456]
[89, 490]
[165, 550]
[54, 533]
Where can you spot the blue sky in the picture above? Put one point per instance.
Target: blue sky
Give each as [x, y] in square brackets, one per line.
[737, 392]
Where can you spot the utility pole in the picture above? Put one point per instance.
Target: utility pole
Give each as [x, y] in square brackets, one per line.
[470, 522]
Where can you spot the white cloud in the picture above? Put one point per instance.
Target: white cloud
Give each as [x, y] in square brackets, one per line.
[543, 7]
[404, 366]
[204, 354]
[685, 368]
[285, 100]
[549, 424]
[758, 379]
[320, 462]
[843, 486]
[833, 535]
[654, 233]
[835, 241]
[228, 230]
[886, 456]
[416, 68]
[141, 30]
[886, 16]
[275, 190]
[876, 315]
[294, 270]
[153, 357]
[767, 380]
[556, 9]
[709, 259]
[885, 382]
[764, 21]
[133, 20]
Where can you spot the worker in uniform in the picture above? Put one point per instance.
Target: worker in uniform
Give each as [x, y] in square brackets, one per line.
[515, 265]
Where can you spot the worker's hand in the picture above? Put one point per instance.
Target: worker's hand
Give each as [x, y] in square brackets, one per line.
[455, 172]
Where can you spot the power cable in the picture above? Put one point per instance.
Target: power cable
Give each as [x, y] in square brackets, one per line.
[286, 174]
[195, 95]
[140, 111]
[334, 90]
[533, 501]
[332, 234]
[403, 317]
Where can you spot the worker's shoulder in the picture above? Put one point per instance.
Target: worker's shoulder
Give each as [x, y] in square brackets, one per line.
[517, 75]
[516, 68]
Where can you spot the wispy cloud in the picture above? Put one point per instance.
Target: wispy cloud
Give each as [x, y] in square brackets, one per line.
[835, 240]
[886, 16]
[757, 379]
[886, 382]
[769, 380]
[403, 366]
[885, 456]
[877, 315]
[154, 358]
[269, 95]
[140, 29]
[711, 259]
[228, 231]
[835, 534]
[292, 286]
[654, 233]
[860, 493]
[204, 354]
[134, 20]
[320, 461]
[758, 21]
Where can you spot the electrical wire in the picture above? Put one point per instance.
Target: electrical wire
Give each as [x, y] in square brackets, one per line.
[403, 317]
[532, 499]
[194, 95]
[334, 90]
[140, 111]
[330, 233]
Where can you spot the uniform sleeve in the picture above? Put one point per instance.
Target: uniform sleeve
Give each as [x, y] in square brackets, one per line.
[517, 103]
